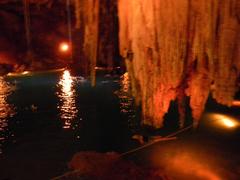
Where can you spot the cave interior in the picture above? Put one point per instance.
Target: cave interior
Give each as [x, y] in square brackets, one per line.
[176, 63]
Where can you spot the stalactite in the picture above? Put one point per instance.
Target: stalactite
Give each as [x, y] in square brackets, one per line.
[108, 34]
[77, 14]
[91, 34]
[86, 42]
[182, 46]
[27, 29]
[69, 24]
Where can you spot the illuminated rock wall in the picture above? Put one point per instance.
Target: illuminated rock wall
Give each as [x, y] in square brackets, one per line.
[177, 48]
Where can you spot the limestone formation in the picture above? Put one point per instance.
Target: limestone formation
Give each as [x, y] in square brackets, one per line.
[180, 48]
[87, 12]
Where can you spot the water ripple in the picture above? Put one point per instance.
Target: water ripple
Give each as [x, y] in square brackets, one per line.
[127, 102]
[6, 110]
[67, 95]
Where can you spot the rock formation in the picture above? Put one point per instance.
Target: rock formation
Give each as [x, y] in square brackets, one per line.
[108, 52]
[96, 35]
[86, 38]
[180, 48]
[93, 25]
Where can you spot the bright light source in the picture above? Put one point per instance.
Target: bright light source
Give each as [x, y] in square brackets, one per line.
[64, 47]
[228, 122]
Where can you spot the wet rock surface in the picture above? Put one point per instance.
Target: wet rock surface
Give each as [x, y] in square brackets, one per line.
[175, 49]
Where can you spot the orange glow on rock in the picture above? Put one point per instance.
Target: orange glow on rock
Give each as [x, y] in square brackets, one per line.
[165, 62]
[186, 164]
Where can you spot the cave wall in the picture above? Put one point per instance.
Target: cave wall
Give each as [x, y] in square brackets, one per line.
[180, 48]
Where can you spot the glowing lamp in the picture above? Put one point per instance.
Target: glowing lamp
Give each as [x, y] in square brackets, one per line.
[228, 123]
[64, 47]
[225, 121]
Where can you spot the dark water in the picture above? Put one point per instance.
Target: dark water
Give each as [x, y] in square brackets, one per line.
[46, 117]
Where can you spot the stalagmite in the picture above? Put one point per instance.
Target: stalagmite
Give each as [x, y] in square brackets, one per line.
[180, 48]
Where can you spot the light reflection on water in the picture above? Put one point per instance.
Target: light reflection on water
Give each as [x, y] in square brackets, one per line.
[6, 110]
[67, 96]
[126, 102]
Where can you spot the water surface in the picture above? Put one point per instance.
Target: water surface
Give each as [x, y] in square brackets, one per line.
[46, 117]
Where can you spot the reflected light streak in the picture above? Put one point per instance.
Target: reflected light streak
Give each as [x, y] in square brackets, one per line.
[67, 97]
[19, 74]
[6, 110]
[25, 72]
[125, 102]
